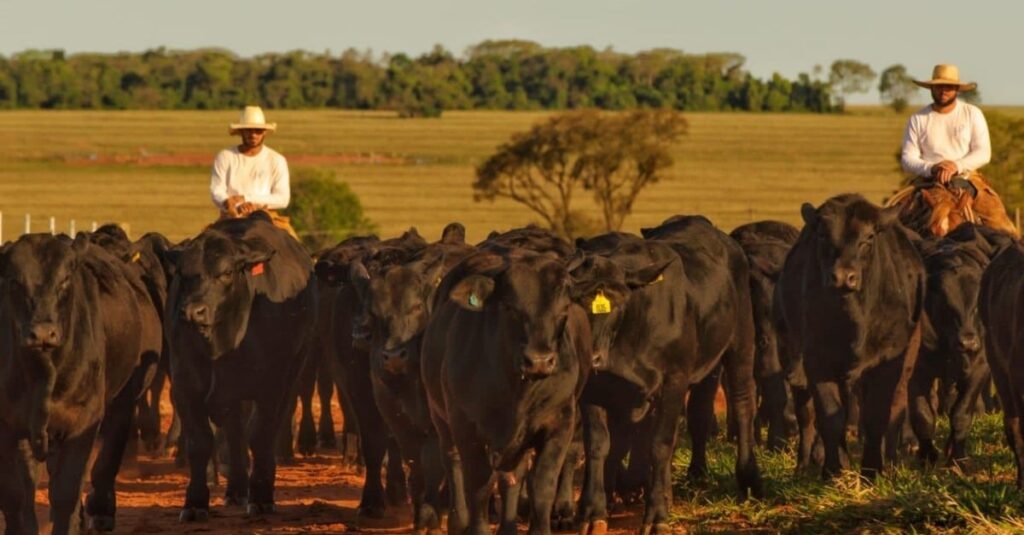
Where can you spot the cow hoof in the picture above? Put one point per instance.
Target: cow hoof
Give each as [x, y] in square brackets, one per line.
[258, 509]
[236, 501]
[375, 512]
[192, 514]
[100, 523]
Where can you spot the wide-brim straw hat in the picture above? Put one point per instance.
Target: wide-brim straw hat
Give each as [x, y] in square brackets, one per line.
[945, 74]
[252, 119]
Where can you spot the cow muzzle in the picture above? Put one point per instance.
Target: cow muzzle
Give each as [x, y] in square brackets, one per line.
[41, 336]
[395, 360]
[539, 363]
[845, 278]
[969, 343]
[198, 314]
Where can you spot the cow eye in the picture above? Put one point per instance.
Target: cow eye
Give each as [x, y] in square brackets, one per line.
[225, 277]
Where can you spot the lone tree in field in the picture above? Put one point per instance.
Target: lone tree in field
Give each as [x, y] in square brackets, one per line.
[324, 211]
[848, 76]
[612, 156]
[895, 87]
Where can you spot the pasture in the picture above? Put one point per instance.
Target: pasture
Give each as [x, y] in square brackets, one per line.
[150, 169]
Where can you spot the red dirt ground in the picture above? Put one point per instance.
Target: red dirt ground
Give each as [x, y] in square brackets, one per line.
[316, 495]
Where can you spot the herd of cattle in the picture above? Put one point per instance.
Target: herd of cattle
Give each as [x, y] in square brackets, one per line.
[497, 366]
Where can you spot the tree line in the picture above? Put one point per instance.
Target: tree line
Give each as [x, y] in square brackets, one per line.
[507, 75]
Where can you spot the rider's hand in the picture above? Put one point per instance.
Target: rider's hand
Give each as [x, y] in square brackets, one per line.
[246, 208]
[944, 171]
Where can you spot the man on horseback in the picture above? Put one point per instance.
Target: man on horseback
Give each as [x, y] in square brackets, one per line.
[251, 176]
[944, 145]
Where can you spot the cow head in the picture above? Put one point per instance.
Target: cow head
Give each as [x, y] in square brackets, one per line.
[603, 289]
[40, 283]
[398, 302]
[951, 300]
[844, 230]
[214, 287]
[528, 296]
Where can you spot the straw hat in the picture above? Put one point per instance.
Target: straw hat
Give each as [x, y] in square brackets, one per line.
[252, 118]
[945, 74]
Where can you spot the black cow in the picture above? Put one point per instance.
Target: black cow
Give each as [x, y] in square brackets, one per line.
[240, 318]
[627, 286]
[1001, 307]
[766, 244]
[849, 303]
[952, 348]
[399, 299]
[351, 364]
[501, 364]
[74, 325]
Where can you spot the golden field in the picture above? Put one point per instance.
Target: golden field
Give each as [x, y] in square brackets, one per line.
[149, 169]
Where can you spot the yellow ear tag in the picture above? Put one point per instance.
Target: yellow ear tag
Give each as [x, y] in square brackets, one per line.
[600, 304]
[136, 256]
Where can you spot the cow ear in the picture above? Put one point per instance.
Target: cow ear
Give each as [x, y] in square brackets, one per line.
[472, 292]
[888, 216]
[454, 233]
[809, 214]
[254, 251]
[359, 276]
[647, 275]
[646, 232]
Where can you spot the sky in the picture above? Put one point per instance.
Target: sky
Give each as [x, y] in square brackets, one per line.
[982, 37]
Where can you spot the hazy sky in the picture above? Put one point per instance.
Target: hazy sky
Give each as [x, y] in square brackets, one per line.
[983, 37]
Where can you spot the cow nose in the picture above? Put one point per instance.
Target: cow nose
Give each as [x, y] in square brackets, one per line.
[394, 359]
[600, 359]
[198, 313]
[539, 362]
[42, 335]
[846, 278]
[970, 343]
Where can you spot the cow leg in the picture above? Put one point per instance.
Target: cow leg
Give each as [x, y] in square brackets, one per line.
[67, 471]
[307, 429]
[18, 486]
[115, 433]
[1011, 418]
[803, 404]
[700, 412]
[563, 513]
[659, 497]
[831, 424]
[592, 513]
[270, 416]
[396, 490]
[458, 505]
[198, 436]
[149, 416]
[237, 491]
[739, 377]
[880, 407]
[636, 479]
[433, 479]
[477, 473]
[285, 439]
[961, 417]
[373, 436]
[775, 402]
[922, 412]
[546, 469]
[350, 441]
[325, 390]
[510, 490]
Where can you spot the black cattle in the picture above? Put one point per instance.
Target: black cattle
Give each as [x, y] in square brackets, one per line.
[240, 318]
[1001, 307]
[501, 364]
[952, 350]
[713, 319]
[766, 244]
[627, 286]
[351, 364]
[849, 303]
[74, 325]
[399, 298]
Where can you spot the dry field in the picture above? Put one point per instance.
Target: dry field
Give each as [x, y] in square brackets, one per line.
[149, 168]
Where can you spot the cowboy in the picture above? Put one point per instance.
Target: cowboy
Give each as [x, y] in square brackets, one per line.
[251, 176]
[946, 142]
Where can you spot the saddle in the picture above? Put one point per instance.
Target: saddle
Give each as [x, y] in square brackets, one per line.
[936, 209]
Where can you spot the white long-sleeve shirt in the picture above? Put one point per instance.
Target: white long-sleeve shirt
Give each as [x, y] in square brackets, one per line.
[960, 136]
[262, 179]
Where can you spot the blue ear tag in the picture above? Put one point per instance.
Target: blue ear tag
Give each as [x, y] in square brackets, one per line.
[474, 301]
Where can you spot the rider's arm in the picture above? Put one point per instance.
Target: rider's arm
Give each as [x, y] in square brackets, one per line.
[219, 180]
[280, 192]
[910, 156]
[980, 151]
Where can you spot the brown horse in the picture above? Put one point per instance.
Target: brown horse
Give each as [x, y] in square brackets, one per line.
[936, 209]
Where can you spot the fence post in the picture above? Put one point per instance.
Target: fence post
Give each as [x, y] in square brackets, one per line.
[94, 226]
[53, 225]
[71, 227]
[1017, 217]
[28, 223]
[1, 228]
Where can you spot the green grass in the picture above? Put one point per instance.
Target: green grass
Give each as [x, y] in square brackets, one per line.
[907, 498]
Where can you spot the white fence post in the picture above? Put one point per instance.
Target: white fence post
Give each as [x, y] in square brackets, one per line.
[28, 223]
[71, 228]
[94, 226]
[1, 228]
[53, 225]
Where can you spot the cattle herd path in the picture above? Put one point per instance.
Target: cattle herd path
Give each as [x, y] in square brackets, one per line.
[317, 494]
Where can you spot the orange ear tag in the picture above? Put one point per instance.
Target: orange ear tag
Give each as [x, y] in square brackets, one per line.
[257, 270]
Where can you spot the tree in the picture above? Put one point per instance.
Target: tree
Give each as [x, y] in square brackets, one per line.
[848, 76]
[895, 87]
[1006, 170]
[323, 210]
[614, 157]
